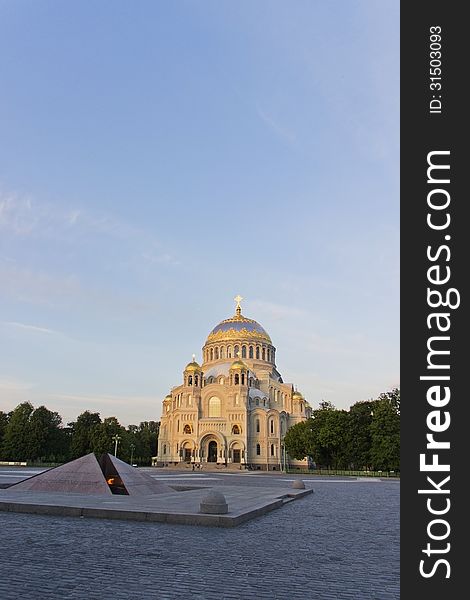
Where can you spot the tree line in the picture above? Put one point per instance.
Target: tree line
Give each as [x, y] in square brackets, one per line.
[38, 435]
[365, 437]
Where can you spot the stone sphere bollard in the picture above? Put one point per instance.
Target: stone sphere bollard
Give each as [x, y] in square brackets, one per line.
[298, 484]
[214, 503]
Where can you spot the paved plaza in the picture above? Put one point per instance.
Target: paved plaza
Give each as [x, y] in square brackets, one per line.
[341, 542]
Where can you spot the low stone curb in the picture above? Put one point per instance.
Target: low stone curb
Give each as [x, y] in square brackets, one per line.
[233, 518]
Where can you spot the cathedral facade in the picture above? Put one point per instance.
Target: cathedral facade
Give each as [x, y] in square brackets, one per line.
[234, 409]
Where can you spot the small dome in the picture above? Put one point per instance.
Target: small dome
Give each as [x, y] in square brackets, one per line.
[238, 364]
[297, 395]
[193, 366]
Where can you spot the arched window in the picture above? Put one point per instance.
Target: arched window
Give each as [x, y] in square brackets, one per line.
[229, 352]
[237, 379]
[272, 449]
[221, 352]
[190, 380]
[271, 425]
[216, 354]
[212, 354]
[250, 352]
[164, 448]
[214, 407]
[243, 379]
[269, 354]
[264, 354]
[258, 450]
[257, 425]
[187, 429]
[257, 401]
[177, 425]
[236, 430]
[243, 351]
[196, 380]
[257, 351]
[236, 350]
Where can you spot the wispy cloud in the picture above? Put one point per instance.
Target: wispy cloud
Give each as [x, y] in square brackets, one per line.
[281, 131]
[14, 385]
[159, 259]
[33, 286]
[27, 327]
[23, 216]
[16, 214]
[75, 229]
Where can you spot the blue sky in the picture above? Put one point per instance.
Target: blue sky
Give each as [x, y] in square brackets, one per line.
[158, 158]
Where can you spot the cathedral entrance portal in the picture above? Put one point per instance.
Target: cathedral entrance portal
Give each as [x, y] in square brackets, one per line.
[212, 452]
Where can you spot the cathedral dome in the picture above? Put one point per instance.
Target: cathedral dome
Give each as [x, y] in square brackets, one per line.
[238, 327]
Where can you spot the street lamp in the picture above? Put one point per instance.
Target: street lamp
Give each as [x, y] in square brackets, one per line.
[132, 452]
[116, 439]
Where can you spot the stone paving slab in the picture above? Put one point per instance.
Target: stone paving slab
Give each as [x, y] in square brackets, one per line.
[341, 543]
[182, 507]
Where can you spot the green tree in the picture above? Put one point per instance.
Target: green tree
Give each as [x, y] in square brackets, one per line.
[322, 438]
[16, 439]
[393, 398]
[82, 432]
[3, 425]
[47, 438]
[385, 432]
[143, 438]
[299, 440]
[358, 435]
[331, 426]
[102, 439]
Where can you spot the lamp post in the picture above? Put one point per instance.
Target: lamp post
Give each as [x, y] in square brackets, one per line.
[116, 439]
[132, 452]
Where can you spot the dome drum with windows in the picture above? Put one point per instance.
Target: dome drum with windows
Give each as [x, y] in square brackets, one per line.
[234, 409]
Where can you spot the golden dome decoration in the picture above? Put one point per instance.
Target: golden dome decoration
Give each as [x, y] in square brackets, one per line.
[238, 327]
[297, 396]
[193, 366]
[238, 364]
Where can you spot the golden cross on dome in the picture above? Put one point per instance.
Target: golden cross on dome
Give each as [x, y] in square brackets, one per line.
[238, 299]
[194, 358]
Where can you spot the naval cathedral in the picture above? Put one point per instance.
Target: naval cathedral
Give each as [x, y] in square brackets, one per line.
[234, 409]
